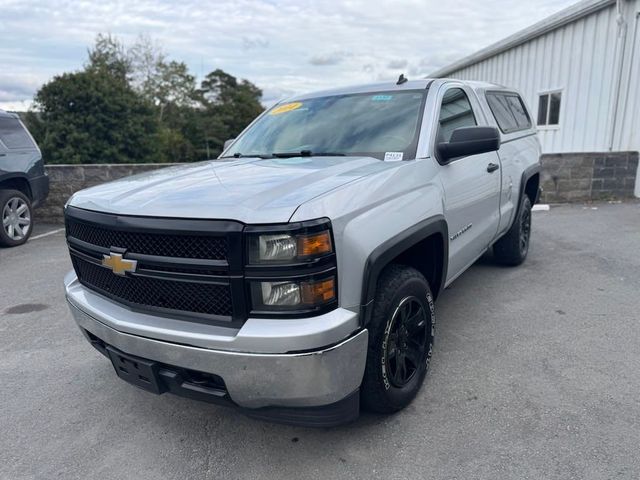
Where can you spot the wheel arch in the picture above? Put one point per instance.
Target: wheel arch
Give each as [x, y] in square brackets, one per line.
[530, 186]
[16, 182]
[530, 183]
[430, 235]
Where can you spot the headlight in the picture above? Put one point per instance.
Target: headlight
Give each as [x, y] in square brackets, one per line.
[291, 269]
[288, 248]
[293, 294]
[279, 293]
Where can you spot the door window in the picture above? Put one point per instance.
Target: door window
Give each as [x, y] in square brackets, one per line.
[13, 134]
[455, 112]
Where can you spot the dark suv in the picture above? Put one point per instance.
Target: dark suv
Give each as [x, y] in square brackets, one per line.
[23, 181]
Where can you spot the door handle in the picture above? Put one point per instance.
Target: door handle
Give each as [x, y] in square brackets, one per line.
[492, 167]
[3, 154]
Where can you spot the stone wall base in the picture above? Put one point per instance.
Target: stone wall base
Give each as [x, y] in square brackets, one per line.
[65, 180]
[585, 177]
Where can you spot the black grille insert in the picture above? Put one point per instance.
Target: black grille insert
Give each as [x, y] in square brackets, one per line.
[196, 297]
[158, 244]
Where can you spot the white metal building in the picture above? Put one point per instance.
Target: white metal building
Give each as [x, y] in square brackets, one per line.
[579, 71]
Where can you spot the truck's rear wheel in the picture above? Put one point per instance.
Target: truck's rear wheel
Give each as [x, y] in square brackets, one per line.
[513, 246]
[16, 218]
[401, 335]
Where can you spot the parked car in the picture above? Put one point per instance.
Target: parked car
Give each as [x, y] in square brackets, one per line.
[23, 181]
[295, 277]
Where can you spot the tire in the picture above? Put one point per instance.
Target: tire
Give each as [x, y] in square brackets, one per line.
[513, 246]
[16, 218]
[402, 294]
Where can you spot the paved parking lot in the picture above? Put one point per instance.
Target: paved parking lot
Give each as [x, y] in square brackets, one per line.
[535, 375]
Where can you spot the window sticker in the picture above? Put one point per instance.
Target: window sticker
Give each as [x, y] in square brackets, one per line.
[287, 107]
[393, 156]
[382, 98]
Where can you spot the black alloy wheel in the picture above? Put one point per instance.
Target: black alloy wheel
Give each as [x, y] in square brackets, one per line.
[406, 342]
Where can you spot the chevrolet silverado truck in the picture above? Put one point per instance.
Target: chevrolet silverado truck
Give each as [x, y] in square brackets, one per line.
[294, 277]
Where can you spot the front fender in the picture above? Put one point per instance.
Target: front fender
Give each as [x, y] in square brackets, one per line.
[371, 238]
[371, 211]
[384, 254]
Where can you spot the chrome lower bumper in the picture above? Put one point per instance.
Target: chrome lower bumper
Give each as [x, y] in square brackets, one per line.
[254, 380]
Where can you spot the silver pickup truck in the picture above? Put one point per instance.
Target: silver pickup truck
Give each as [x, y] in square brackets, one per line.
[294, 277]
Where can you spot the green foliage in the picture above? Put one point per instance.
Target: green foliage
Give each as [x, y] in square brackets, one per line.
[134, 106]
[94, 117]
[109, 55]
[229, 106]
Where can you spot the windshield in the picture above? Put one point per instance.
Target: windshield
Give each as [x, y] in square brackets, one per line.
[382, 125]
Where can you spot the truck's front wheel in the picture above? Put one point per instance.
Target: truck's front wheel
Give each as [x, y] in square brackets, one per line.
[401, 335]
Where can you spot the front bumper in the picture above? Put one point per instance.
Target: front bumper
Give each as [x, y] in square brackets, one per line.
[313, 378]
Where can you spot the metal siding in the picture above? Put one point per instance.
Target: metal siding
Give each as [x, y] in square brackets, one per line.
[578, 58]
[628, 123]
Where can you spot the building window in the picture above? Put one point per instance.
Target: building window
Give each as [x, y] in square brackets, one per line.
[549, 108]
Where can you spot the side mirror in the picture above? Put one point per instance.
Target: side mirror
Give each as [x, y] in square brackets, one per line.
[228, 143]
[469, 141]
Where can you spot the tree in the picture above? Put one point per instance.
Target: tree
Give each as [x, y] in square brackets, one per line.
[161, 81]
[134, 105]
[234, 103]
[144, 57]
[172, 84]
[110, 55]
[94, 116]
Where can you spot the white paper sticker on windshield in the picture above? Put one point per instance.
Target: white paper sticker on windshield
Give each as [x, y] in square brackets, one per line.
[393, 156]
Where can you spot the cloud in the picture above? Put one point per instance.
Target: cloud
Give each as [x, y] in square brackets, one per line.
[17, 89]
[398, 63]
[276, 45]
[327, 59]
[251, 42]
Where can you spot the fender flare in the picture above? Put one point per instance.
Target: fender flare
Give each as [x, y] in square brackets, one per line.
[384, 253]
[528, 172]
[18, 176]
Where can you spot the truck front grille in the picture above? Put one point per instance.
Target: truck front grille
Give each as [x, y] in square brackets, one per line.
[163, 244]
[185, 268]
[140, 291]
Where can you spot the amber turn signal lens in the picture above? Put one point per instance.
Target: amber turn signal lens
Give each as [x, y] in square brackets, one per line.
[316, 244]
[319, 292]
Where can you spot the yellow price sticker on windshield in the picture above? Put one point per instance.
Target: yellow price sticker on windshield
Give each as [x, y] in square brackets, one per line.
[287, 107]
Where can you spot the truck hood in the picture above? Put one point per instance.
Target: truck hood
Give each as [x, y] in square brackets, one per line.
[248, 190]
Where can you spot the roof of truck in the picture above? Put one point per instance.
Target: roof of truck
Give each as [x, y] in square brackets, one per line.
[417, 84]
[365, 88]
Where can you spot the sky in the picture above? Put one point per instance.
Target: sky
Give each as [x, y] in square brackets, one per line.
[285, 47]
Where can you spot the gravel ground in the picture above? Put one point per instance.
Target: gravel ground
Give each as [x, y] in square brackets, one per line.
[534, 375]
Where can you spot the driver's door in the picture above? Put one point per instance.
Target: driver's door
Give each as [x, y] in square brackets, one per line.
[471, 184]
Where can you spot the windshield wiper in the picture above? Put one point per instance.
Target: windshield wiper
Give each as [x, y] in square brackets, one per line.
[307, 153]
[303, 153]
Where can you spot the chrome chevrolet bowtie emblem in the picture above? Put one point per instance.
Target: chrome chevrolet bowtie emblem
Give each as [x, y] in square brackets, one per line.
[119, 265]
